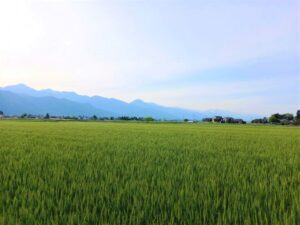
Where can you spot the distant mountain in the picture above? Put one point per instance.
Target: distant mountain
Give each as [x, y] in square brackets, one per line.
[21, 98]
[17, 104]
[107, 104]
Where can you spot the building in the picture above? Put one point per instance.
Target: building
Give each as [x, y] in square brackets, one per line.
[228, 120]
[217, 119]
[207, 120]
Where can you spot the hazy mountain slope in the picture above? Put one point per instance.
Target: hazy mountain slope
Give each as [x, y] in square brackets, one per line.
[108, 104]
[115, 107]
[17, 104]
[118, 107]
[171, 112]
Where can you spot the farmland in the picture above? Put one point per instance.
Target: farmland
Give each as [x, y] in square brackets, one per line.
[148, 173]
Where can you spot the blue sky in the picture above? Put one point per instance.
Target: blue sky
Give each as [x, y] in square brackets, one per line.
[242, 56]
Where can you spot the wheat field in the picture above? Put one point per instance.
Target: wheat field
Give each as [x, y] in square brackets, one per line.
[67, 173]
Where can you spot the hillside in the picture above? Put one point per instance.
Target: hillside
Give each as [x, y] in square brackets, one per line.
[20, 98]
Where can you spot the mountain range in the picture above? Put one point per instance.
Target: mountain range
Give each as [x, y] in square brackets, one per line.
[19, 99]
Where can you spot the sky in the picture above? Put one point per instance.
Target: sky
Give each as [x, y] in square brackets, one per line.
[236, 55]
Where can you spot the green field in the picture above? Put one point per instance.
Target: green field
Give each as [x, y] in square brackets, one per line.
[87, 173]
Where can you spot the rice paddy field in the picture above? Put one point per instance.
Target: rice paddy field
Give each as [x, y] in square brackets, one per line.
[84, 173]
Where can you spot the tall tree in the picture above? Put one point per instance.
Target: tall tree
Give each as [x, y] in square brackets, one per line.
[47, 116]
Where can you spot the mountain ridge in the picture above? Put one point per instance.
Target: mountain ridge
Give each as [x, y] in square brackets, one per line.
[16, 104]
[102, 106]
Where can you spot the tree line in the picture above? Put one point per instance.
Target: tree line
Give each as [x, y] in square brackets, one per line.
[94, 117]
[283, 119]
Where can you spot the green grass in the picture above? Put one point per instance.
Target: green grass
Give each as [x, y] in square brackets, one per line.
[138, 173]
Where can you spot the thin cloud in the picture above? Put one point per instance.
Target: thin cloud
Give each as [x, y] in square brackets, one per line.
[128, 49]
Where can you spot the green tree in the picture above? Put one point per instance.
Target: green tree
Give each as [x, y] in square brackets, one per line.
[148, 119]
[297, 118]
[288, 116]
[297, 115]
[275, 118]
[47, 116]
[24, 115]
[94, 117]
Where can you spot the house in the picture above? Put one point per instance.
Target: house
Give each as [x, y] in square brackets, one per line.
[217, 119]
[240, 121]
[207, 120]
[284, 121]
[228, 120]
